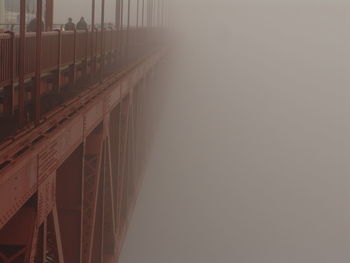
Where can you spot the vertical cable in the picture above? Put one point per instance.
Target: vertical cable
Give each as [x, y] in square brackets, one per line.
[117, 14]
[128, 30]
[92, 60]
[137, 13]
[102, 57]
[21, 69]
[143, 12]
[37, 89]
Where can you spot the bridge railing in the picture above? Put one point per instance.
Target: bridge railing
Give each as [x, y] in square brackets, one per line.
[66, 58]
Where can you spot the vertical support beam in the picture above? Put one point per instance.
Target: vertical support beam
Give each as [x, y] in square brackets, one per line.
[92, 60]
[117, 14]
[159, 13]
[156, 3]
[128, 31]
[21, 69]
[86, 63]
[59, 52]
[58, 235]
[69, 198]
[92, 15]
[121, 14]
[102, 57]
[2, 11]
[10, 90]
[163, 5]
[143, 12]
[44, 241]
[36, 92]
[148, 12]
[92, 170]
[129, 14]
[75, 58]
[49, 15]
[152, 13]
[137, 13]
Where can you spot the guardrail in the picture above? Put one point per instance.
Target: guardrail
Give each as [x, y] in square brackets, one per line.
[70, 60]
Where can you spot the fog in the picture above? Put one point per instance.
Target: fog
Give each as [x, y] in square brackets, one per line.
[249, 160]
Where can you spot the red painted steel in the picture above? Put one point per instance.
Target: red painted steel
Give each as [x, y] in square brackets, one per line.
[78, 180]
[70, 158]
[38, 49]
[21, 63]
[49, 7]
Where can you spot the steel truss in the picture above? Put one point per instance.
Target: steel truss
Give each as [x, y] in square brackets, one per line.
[69, 198]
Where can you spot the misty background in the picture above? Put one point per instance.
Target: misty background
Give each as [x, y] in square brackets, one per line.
[249, 160]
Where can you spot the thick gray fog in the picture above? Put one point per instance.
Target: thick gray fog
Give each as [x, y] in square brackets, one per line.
[249, 161]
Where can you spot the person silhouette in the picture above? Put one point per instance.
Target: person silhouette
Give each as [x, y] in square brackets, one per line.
[82, 25]
[69, 26]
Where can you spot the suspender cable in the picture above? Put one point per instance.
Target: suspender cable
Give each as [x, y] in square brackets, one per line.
[149, 13]
[143, 12]
[121, 14]
[22, 39]
[128, 30]
[163, 6]
[137, 13]
[36, 91]
[92, 60]
[102, 57]
[129, 9]
[49, 15]
[117, 14]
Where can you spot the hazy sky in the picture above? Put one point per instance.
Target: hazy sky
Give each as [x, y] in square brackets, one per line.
[249, 162]
[78, 8]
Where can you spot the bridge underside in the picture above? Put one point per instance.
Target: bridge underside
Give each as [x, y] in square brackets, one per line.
[68, 186]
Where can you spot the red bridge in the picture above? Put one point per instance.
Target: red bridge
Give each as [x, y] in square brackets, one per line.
[70, 116]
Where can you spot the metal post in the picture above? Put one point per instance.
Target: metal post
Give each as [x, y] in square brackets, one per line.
[59, 52]
[21, 69]
[121, 14]
[129, 9]
[49, 15]
[74, 58]
[128, 31]
[137, 13]
[9, 103]
[36, 91]
[156, 12]
[151, 11]
[117, 14]
[148, 13]
[102, 57]
[143, 12]
[92, 60]
[159, 13]
[162, 14]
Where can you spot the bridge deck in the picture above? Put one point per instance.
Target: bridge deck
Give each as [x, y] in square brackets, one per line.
[68, 182]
